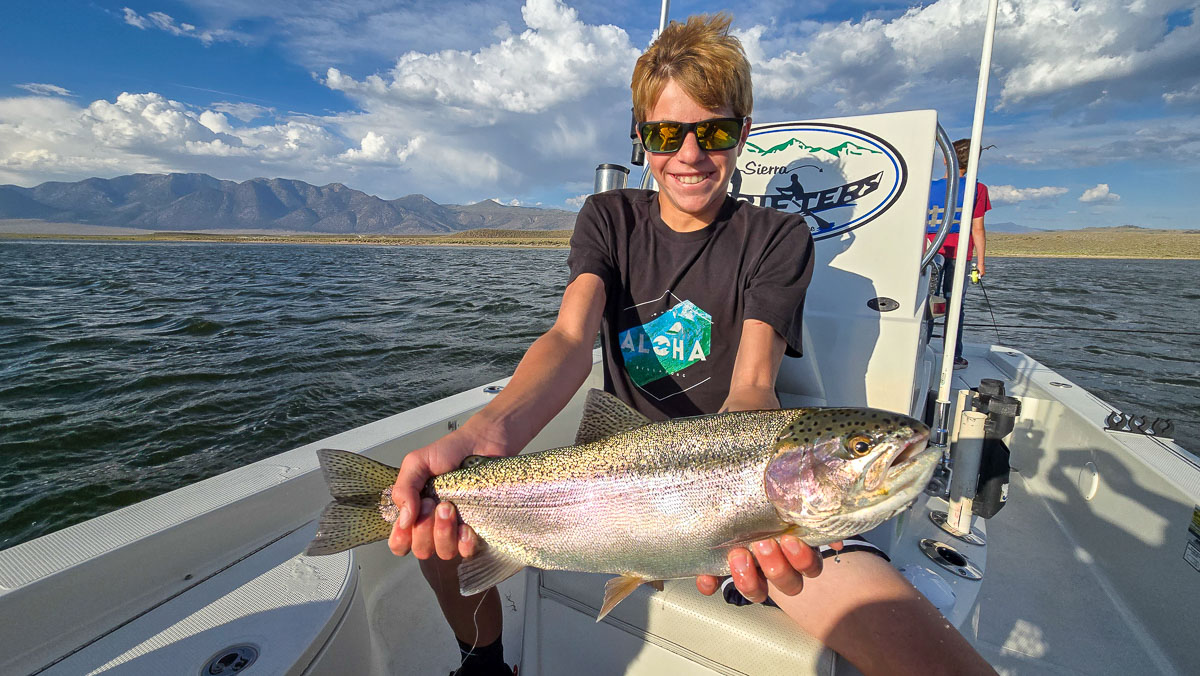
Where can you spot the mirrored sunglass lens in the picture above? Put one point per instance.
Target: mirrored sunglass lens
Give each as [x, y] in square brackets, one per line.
[661, 136]
[718, 134]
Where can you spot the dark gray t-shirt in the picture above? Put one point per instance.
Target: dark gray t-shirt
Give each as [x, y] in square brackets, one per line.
[676, 301]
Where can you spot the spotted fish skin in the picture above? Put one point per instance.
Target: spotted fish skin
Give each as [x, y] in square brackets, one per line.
[655, 501]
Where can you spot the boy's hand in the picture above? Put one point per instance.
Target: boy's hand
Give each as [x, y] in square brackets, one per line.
[784, 564]
[422, 526]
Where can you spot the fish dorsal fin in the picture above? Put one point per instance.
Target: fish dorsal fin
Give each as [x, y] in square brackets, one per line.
[604, 415]
[617, 588]
[486, 569]
[351, 475]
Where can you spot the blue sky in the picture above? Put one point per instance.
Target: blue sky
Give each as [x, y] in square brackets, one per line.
[1092, 110]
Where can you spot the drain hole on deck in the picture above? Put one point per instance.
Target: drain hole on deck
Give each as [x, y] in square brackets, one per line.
[232, 660]
[952, 557]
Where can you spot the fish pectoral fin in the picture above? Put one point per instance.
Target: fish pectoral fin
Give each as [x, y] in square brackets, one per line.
[486, 569]
[617, 588]
[604, 415]
[750, 538]
[345, 526]
[351, 475]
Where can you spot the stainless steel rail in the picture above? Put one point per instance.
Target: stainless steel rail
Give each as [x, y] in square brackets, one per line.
[943, 141]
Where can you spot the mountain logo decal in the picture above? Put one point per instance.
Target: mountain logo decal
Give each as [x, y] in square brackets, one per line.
[839, 177]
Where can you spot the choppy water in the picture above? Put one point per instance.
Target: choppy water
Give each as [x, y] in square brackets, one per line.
[1133, 369]
[128, 370]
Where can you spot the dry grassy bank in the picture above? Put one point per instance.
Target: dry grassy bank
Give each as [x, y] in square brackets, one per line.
[1123, 242]
[505, 238]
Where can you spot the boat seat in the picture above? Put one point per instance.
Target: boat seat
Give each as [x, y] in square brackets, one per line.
[702, 629]
[282, 605]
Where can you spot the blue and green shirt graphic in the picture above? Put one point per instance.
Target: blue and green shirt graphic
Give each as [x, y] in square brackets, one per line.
[667, 344]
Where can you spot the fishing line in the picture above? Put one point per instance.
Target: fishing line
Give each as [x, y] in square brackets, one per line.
[474, 619]
[989, 307]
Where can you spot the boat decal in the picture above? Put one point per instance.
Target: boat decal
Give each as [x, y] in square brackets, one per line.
[839, 177]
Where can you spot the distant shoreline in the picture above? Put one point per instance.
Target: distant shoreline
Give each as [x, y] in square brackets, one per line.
[41, 230]
[1098, 243]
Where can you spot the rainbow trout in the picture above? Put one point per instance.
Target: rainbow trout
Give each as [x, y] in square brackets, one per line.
[653, 501]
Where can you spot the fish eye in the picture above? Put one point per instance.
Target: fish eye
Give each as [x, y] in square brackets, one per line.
[859, 445]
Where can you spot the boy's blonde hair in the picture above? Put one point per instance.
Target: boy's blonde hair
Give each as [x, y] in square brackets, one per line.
[703, 59]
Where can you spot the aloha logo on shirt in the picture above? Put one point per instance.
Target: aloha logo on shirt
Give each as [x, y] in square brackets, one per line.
[668, 344]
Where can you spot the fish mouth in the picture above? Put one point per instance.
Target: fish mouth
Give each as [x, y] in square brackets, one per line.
[911, 448]
[913, 466]
[905, 462]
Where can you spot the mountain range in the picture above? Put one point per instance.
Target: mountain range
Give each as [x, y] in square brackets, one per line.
[177, 202]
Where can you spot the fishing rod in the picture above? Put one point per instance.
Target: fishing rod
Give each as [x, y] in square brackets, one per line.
[978, 279]
[939, 434]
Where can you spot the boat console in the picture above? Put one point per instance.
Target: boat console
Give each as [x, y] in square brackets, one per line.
[863, 185]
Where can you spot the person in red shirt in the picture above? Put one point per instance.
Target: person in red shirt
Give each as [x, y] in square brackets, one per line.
[975, 241]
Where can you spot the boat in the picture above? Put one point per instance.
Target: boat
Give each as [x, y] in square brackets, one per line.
[1081, 554]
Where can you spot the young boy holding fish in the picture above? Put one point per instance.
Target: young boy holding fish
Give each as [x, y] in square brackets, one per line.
[696, 297]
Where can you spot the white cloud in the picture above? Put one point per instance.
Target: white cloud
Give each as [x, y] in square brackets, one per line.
[577, 201]
[1183, 95]
[44, 89]
[243, 111]
[1103, 52]
[134, 19]
[165, 22]
[557, 59]
[50, 138]
[1007, 194]
[1100, 193]
[532, 107]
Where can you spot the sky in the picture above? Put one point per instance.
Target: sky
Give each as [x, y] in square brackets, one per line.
[1091, 112]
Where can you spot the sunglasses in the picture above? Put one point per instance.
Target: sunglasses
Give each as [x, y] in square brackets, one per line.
[719, 133]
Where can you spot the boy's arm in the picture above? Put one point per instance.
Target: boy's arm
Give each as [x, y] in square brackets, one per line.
[787, 562]
[760, 352]
[551, 372]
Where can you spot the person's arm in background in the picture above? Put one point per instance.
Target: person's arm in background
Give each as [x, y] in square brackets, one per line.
[977, 237]
[983, 204]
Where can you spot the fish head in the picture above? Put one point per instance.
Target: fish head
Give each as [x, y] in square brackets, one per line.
[838, 472]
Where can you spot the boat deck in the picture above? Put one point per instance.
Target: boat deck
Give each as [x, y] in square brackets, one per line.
[1044, 608]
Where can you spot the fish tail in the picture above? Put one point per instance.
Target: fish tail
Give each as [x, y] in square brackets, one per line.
[355, 516]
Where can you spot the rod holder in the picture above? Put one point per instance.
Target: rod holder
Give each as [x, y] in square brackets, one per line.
[964, 462]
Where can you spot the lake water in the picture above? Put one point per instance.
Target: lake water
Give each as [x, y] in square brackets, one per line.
[128, 370]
